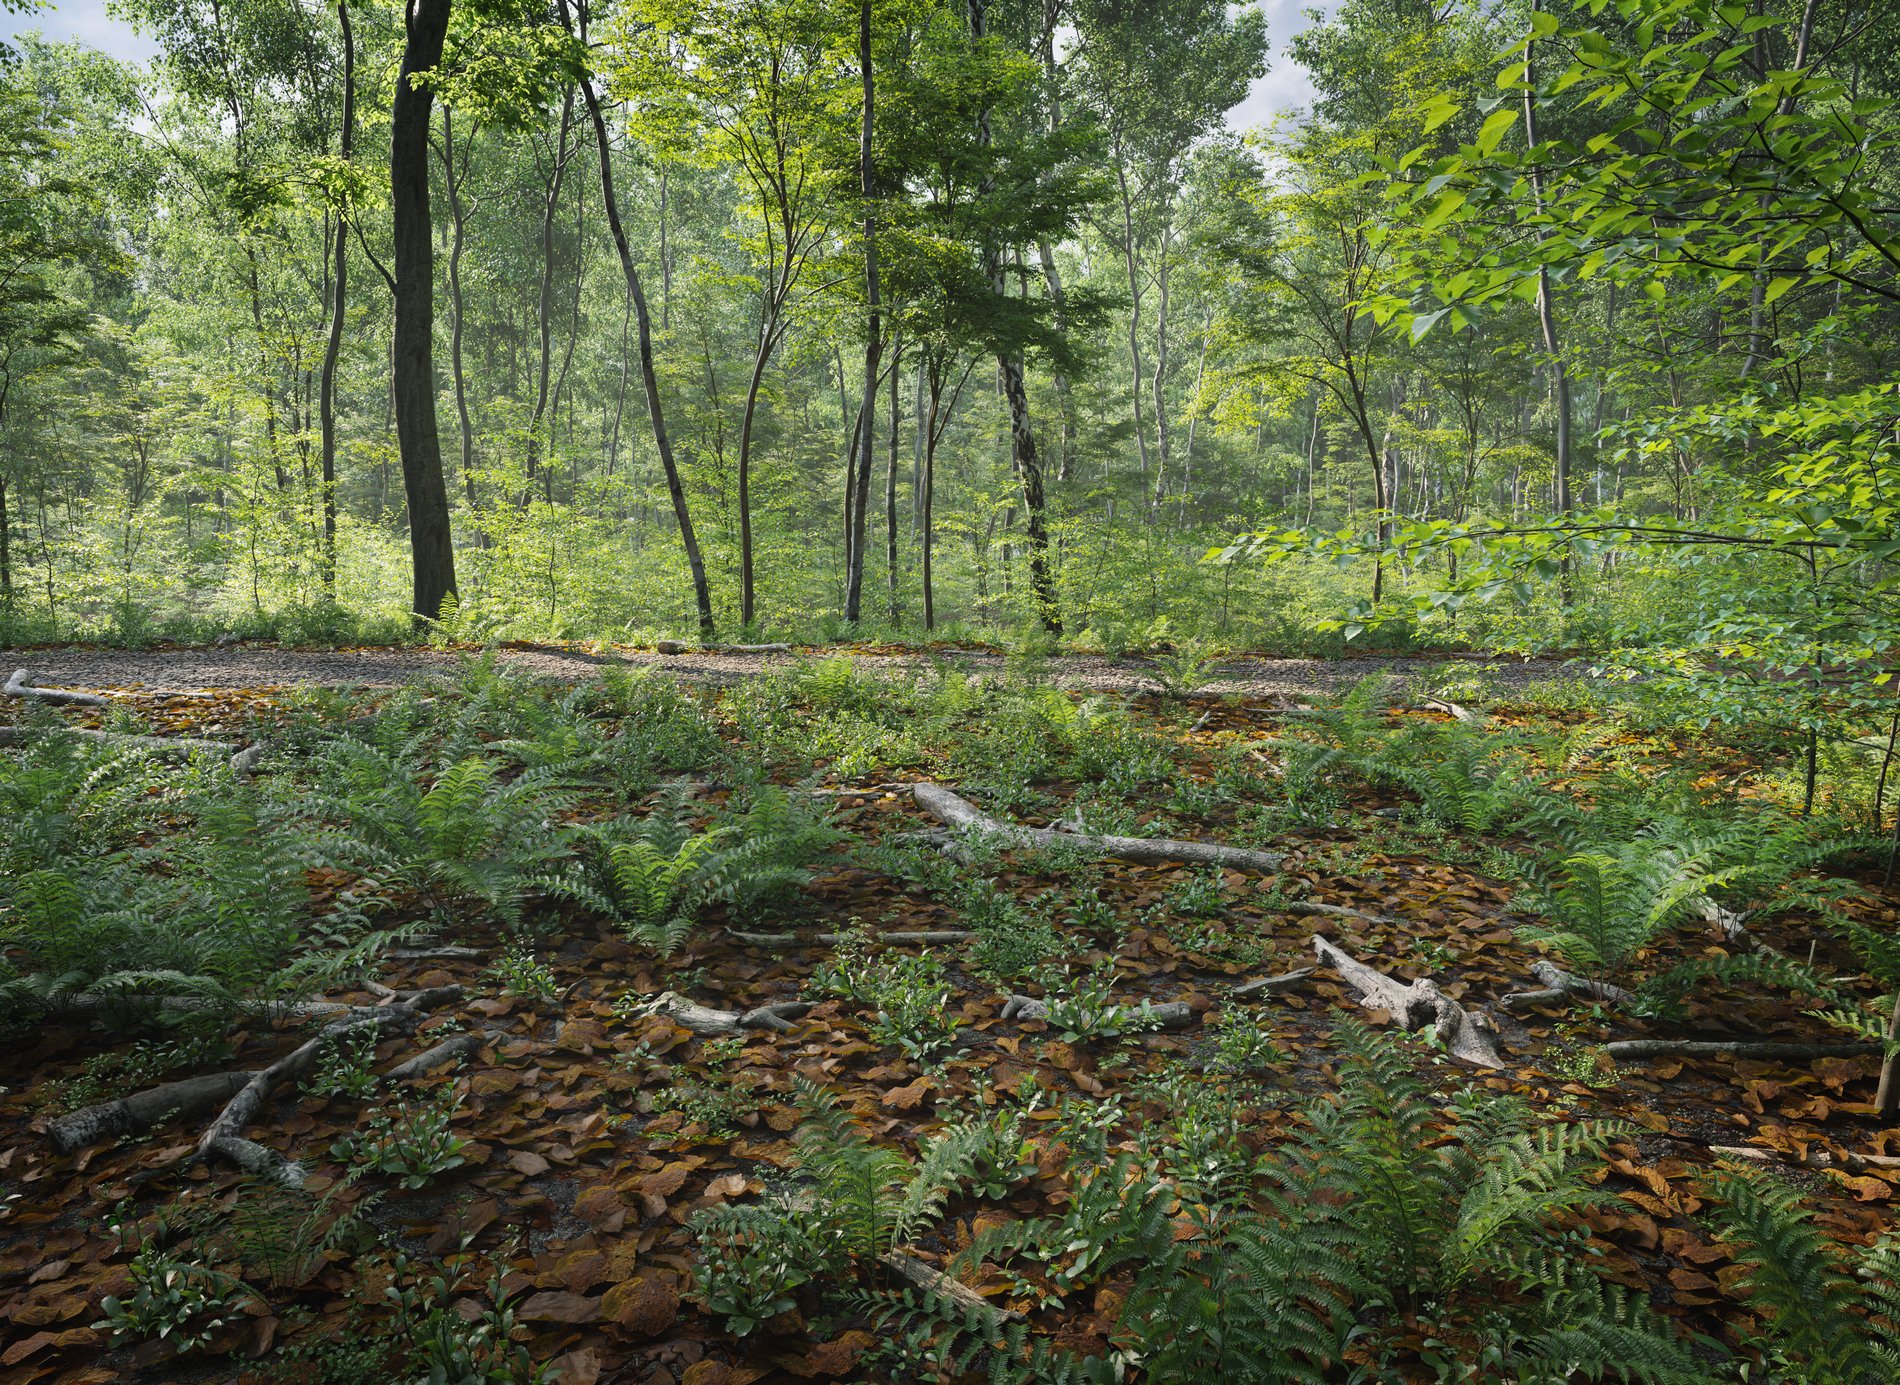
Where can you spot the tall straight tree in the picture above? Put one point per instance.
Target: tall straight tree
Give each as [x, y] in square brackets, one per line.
[860, 469]
[649, 375]
[412, 357]
[339, 305]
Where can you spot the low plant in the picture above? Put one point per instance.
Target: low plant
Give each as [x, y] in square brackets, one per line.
[1605, 906]
[346, 1066]
[1081, 1006]
[521, 974]
[412, 1145]
[752, 1259]
[1241, 1043]
[910, 995]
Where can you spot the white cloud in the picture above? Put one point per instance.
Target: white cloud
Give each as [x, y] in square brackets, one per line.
[1286, 85]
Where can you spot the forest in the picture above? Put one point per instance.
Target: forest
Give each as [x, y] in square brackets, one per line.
[764, 690]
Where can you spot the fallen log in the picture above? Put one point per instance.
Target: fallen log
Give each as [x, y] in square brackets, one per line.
[932, 1280]
[958, 812]
[21, 685]
[1734, 1048]
[242, 761]
[1416, 1005]
[686, 647]
[109, 1120]
[1561, 985]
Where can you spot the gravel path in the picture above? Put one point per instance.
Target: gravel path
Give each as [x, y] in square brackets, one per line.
[246, 666]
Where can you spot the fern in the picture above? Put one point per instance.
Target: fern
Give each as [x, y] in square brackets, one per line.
[1612, 902]
[1819, 1314]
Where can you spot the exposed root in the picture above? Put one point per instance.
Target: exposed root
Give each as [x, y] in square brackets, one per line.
[1416, 1005]
[224, 1137]
[704, 1020]
[1270, 985]
[957, 812]
[1561, 986]
[1173, 1014]
[1454, 710]
[1734, 1048]
[21, 685]
[430, 1059]
[786, 942]
[1813, 1159]
[684, 647]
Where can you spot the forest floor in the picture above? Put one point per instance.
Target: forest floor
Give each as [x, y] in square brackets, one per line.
[261, 665]
[597, 1128]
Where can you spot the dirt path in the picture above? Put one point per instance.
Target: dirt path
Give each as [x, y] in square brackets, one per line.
[247, 666]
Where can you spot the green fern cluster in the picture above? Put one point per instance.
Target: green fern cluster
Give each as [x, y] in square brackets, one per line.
[1828, 1316]
[465, 837]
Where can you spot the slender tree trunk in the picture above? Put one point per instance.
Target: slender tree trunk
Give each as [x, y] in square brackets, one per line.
[333, 348]
[1160, 383]
[927, 537]
[1546, 313]
[768, 330]
[458, 224]
[890, 486]
[873, 334]
[702, 593]
[1010, 369]
[1134, 307]
[432, 547]
[544, 302]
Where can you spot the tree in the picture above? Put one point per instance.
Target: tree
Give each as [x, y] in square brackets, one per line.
[412, 359]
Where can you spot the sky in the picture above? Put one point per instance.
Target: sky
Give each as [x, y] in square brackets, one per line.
[1284, 86]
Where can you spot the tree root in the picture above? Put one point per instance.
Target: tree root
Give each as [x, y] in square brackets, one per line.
[703, 1020]
[224, 1137]
[1456, 711]
[957, 812]
[430, 1059]
[1734, 1048]
[1561, 986]
[21, 685]
[786, 942]
[1813, 1159]
[1415, 1006]
[1172, 1014]
[1270, 985]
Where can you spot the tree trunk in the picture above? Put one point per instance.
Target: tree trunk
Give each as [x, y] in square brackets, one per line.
[1546, 314]
[432, 548]
[1160, 381]
[928, 483]
[702, 594]
[544, 301]
[458, 222]
[890, 487]
[333, 348]
[873, 333]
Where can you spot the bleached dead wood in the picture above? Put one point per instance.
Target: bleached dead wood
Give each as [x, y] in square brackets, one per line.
[785, 942]
[683, 647]
[958, 812]
[702, 1019]
[1172, 1014]
[1270, 985]
[1456, 711]
[1415, 1005]
[242, 761]
[129, 1115]
[430, 1059]
[1562, 985]
[1735, 1048]
[932, 1280]
[1812, 1159]
[21, 685]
